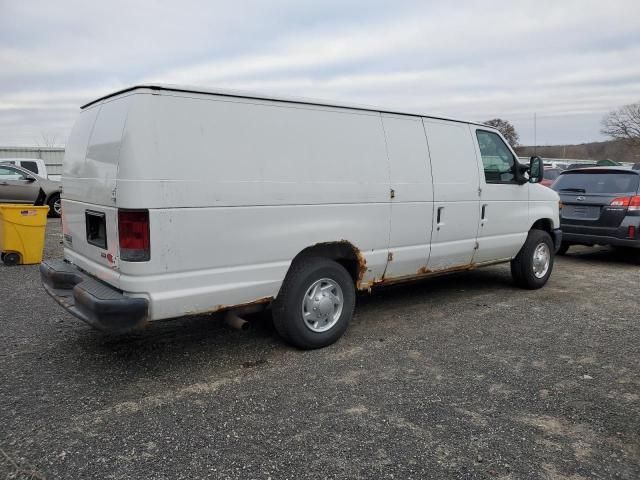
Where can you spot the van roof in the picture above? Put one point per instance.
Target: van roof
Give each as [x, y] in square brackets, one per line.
[262, 96]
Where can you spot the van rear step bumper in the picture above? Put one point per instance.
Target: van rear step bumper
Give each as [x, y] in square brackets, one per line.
[92, 301]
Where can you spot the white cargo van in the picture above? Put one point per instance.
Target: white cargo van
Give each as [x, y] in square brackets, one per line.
[181, 201]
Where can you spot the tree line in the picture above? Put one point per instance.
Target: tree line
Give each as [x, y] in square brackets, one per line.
[621, 125]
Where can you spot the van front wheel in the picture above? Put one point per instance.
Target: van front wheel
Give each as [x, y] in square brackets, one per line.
[531, 268]
[315, 304]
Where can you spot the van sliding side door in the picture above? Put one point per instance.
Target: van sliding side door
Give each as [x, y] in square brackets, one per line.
[455, 185]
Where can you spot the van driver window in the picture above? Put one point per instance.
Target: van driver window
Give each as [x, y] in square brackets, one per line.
[497, 159]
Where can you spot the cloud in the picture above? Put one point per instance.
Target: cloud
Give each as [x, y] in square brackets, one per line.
[569, 61]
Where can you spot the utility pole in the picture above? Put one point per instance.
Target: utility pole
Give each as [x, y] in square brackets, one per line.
[535, 134]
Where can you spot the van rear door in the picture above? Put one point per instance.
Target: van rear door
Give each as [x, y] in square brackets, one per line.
[89, 183]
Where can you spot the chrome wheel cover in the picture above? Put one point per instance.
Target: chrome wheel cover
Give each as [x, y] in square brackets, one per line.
[541, 260]
[322, 305]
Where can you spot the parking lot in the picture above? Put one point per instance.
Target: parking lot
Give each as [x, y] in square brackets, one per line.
[462, 376]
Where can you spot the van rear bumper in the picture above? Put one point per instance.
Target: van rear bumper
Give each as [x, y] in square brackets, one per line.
[92, 301]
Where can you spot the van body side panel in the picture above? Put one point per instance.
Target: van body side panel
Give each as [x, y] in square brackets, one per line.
[412, 205]
[236, 189]
[505, 226]
[455, 183]
[204, 152]
[223, 256]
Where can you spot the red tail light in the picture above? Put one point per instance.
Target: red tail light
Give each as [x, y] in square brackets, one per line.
[632, 203]
[133, 232]
[620, 202]
[632, 232]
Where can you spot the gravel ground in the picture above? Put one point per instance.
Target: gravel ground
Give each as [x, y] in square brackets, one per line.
[456, 377]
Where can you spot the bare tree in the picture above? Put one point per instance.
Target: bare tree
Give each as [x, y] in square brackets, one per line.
[623, 124]
[507, 130]
[47, 139]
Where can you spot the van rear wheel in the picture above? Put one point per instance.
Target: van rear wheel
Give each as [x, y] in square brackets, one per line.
[531, 268]
[315, 304]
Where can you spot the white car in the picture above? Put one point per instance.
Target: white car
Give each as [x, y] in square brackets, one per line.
[180, 201]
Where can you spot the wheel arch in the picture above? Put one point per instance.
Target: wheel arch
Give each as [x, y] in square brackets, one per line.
[545, 224]
[341, 251]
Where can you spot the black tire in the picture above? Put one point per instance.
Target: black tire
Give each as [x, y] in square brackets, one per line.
[287, 307]
[52, 201]
[563, 248]
[522, 266]
[11, 259]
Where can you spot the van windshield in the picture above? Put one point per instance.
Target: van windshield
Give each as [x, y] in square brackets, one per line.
[597, 182]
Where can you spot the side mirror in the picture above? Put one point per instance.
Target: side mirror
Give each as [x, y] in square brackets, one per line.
[536, 170]
[520, 172]
[29, 178]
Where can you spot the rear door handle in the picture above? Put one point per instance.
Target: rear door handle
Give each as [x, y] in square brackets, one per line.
[484, 213]
[440, 215]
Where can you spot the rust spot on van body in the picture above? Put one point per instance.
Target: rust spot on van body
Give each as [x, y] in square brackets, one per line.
[239, 306]
[422, 273]
[356, 255]
[362, 267]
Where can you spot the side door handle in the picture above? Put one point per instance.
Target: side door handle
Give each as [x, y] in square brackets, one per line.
[483, 217]
[439, 217]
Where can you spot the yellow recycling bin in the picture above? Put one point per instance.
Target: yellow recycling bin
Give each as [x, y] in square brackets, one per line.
[22, 229]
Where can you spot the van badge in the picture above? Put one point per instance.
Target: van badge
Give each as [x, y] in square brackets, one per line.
[580, 198]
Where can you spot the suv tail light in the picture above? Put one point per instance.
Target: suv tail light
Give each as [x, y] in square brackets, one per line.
[632, 203]
[620, 202]
[133, 233]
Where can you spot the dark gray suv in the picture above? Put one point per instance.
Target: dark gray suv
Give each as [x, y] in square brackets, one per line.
[600, 206]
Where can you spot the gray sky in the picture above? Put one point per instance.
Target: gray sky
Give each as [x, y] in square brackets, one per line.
[569, 61]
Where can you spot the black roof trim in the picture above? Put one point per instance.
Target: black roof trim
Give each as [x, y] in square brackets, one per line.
[118, 92]
[250, 96]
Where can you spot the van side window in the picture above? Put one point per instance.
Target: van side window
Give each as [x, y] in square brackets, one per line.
[497, 159]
